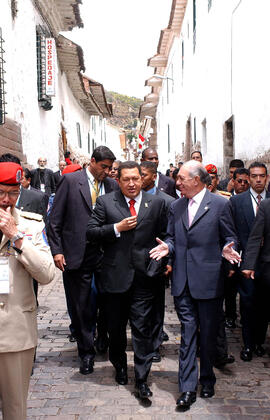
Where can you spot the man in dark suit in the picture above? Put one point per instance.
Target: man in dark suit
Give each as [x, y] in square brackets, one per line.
[126, 223]
[244, 207]
[58, 174]
[163, 183]
[149, 175]
[72, 208]
[200, 231]
[31, 199]
[258, 256]
[42, 178]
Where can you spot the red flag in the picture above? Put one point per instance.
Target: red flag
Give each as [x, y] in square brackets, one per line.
[141, 138]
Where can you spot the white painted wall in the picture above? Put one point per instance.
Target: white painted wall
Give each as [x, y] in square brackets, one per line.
[113, 140]
[227, 75]
[40, 129]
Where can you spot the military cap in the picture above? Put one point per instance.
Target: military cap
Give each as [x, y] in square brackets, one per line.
[10, 173]
[211, 169]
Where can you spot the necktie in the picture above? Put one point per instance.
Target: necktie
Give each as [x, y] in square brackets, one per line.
[190, 215]
[132, 208]
[95, 192]
[259, 200]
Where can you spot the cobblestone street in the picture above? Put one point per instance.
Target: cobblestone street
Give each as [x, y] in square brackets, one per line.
[58, 391]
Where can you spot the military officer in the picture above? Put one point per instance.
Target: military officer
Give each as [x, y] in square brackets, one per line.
[24, 255]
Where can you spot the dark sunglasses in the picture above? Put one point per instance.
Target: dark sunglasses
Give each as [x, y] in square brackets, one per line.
[241, 181]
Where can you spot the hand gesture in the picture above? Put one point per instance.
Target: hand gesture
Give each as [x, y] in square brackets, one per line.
[230, 254]
[159, 251]
[127, 224]
[7, 223]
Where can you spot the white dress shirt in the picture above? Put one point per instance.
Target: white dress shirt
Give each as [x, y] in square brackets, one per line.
[91, 182]
[254, 199]
[197, 199]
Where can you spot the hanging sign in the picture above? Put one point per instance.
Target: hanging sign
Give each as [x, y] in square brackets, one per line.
[50, 67]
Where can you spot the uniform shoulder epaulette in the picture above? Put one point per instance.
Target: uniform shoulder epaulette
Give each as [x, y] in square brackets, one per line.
[226, 193]
[32, 216]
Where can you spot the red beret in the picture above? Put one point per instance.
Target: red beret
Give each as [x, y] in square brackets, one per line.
[10, 173]
[211, 169]
[71, 168]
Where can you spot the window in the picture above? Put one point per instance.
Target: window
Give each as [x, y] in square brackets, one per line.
[169, 140]
[93, 144]
[194, 131]
[2, 82]
[89, 143]
[44, 100]
[209, 4]
[79, 134]
[183, 60]
[194, 25]
[204, 137]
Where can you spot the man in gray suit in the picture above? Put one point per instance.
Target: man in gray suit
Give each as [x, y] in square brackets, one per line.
[200, 231]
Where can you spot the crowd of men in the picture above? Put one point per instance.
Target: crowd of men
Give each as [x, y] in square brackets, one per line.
[120, 232]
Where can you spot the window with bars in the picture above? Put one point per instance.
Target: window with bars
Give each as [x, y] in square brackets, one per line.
[209, 4]
[44, 100]
[79, 134]
[2, 81]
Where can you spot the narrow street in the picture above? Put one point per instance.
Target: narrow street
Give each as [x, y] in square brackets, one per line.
[58, 391]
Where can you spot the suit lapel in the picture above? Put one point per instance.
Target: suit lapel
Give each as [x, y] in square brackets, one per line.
[185, 212]
[248, 209]
[145, 206]
[85, 189]
[121, 204]
[203, 208]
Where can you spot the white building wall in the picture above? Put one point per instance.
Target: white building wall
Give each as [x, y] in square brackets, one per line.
[228, 74]
[40, 129]
[113, 140]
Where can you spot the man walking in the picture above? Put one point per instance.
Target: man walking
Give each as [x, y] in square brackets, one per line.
[72, 208]
[125, 223]
[200, 231]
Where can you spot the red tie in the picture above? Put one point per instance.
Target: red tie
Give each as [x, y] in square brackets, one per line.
[132, 208]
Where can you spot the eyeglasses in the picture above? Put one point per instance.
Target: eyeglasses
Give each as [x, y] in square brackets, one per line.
[11, 194]
[242, 181]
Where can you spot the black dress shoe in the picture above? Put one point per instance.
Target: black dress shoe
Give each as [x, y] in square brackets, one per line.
[87, 364]
[230, 323]
[164, 336]
[207, 391]
[72, 338]
[156, 358]
[259, 350]
[144, 390]
[121, 376]
[186, 399]
[226, 360]
[102, 344]
[246, 354]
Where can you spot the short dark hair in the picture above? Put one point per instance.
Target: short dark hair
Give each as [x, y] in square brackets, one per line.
[175, 173]
[258, 165]
[208, 180]
[196, 151]
[8, 157]
[149, 165]
[27, 173]
[67, 154]
[129, 164]
[147, 150]
[102, 153]
[240, 171]
[236, 163]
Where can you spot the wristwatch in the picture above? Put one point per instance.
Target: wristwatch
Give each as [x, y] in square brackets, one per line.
[19, 235]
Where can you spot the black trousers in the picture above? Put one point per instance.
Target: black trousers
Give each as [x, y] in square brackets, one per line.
[77, 285]
[194, 314]
[138, 305]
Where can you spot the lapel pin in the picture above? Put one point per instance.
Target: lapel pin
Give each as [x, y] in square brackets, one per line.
[206, 208]
[146, 204]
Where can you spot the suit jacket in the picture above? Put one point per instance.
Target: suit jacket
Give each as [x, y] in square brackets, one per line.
[71, 211]
[48, 178]
[167, 198]
[243, 215]
[167, 185]
[197, 250]
[129, 253]
[34, 201]
[57, 177]
[18, 315]
[258, 246]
